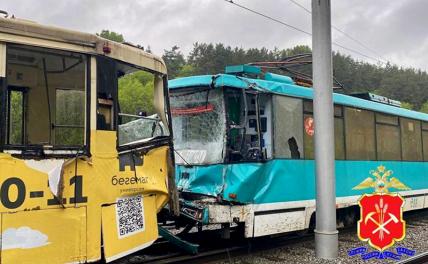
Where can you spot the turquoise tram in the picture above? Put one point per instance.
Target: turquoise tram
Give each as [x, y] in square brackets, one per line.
[244, 144]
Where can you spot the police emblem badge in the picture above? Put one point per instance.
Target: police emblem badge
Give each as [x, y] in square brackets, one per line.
[381, 221]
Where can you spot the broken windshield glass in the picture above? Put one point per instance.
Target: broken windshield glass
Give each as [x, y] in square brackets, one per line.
[199, 126]
[142, 129]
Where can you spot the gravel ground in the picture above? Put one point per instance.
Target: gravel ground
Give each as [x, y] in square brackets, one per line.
[416, 239]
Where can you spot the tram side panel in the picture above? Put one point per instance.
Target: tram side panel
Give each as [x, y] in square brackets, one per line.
[44, 223]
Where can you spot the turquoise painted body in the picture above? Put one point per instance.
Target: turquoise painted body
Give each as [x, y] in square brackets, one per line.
[285, 180]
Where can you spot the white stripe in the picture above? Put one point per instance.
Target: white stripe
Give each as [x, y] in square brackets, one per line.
[311, 203]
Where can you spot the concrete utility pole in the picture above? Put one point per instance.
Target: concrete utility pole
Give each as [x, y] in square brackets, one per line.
[326, 235]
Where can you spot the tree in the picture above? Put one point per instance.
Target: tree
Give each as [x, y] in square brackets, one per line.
[111, 35]
[174, 61]
[186, 70]
[424, 108]
[406, 105]
[136, 93]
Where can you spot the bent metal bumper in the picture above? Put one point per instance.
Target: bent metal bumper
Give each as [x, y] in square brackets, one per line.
[211, 213]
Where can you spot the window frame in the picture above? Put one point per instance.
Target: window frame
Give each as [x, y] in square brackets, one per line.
[39, 150]
[345, 107]
[149, 144]
[338, 113]
[300, 129]
[226, 157]
[416, 121]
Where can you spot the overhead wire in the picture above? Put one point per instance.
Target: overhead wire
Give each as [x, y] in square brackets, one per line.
[303, 31]
[343, 32]
[270, 18]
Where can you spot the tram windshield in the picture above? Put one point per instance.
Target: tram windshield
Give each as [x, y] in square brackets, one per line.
[199, 125]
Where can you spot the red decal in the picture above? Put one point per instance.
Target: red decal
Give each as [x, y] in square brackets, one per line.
[309, 126]
[193, 110]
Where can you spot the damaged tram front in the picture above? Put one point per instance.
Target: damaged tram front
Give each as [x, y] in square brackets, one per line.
[85, 143]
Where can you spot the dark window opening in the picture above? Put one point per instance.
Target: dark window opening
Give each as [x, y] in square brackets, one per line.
[125, 103]
[250, 126]
[46, 113]
[16, 117]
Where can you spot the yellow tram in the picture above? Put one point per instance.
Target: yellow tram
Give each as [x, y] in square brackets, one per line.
[85, 162]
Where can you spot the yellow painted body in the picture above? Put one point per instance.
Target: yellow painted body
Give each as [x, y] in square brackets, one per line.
[36, 230]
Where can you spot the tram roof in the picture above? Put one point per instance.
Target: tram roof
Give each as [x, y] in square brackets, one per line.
[293, 90]
[26, 32]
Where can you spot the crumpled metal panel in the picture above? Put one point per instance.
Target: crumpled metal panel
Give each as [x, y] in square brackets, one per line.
[207, 180]
[288, 180]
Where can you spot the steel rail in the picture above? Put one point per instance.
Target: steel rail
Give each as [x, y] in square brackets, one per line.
[421, 258]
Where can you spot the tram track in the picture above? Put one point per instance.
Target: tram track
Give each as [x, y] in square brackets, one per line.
[418, 259]
[233, 248]
[213, 248]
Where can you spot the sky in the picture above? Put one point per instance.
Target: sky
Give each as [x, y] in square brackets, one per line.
[393, 31]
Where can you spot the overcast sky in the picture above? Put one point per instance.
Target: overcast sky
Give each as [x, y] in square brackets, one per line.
[395, 29]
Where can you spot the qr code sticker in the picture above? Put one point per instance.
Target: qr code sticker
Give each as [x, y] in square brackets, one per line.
[129, 216]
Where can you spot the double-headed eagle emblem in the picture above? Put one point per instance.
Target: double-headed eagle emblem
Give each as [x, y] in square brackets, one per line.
[381, 180]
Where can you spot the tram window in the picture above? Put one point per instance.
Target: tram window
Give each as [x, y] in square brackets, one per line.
[70, 117]
[339, 141]
[44, 120]
[288, 124]
[387, 137]
[16, 117]
[388, 142]
[137, 118]
[411, 139]
[360, 134]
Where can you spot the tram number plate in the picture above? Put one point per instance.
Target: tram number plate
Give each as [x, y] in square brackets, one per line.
[21, 190]
[129, 215]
